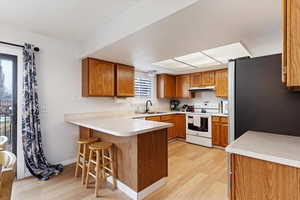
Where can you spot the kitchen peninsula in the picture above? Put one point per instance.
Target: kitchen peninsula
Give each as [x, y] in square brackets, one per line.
[141, 151]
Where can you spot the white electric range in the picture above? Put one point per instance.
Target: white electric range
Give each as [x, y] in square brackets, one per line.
[199, 125]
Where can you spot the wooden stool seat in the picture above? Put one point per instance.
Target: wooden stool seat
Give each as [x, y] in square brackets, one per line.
[100, 145]
[87, 140]
[82, 155]
[100, 164]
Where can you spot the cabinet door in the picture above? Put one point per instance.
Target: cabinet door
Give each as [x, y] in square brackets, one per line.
[208, 78]
[196, 79]
[223, 135]
[293, 44]
[216, 130]
[285, 41]
[170, 84]
[171, 130]
[124, 81]
[222, 83]
[183, 86]
[97, 78]
[254, 179]
[180, 126]
[153, 118]
[166, 86]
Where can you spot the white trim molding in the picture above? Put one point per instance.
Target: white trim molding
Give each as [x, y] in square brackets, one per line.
[142, 194]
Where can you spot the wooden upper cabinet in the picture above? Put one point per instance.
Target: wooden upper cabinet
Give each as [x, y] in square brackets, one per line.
[222, 83]
[291, 45]
[98, 78]
[183, 86]
[208, 78]
[196, 79]
[201, 79]
[124, 80]
[166, 86]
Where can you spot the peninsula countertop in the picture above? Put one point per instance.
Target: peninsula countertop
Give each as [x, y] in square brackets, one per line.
[120, 124]
[122, 127]
[275, 148]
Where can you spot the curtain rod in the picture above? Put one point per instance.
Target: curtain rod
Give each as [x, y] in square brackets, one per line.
[17, 45]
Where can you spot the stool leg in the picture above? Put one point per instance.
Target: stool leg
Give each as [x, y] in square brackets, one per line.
[97, 172]
[103, 162]
[112, 168]
[78, 161]
[84, 164]
[88, 169]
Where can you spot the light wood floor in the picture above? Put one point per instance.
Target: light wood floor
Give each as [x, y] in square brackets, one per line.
[195, 173]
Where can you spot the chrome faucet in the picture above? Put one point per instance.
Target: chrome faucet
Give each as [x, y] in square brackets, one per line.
[147, 106]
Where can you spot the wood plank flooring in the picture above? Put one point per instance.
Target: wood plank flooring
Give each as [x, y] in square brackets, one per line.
[195, 173]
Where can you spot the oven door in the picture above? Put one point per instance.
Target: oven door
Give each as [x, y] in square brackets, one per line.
[201, 128]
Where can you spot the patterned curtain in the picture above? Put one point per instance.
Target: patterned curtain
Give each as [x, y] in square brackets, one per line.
[31, 131]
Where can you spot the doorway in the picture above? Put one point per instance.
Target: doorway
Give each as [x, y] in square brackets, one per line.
[8, 100]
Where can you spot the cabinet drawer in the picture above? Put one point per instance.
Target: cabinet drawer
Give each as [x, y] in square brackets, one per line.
[216, 119]
[153, 118]
[166, 117]
[224, 119]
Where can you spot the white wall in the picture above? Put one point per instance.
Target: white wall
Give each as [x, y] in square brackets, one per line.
[59, 78]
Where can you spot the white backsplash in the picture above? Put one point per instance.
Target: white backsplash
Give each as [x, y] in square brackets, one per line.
[202, 96]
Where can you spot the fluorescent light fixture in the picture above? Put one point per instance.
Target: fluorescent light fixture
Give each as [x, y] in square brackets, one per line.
[171, 64]
[198, 60]
[207, 58]
[227, 52]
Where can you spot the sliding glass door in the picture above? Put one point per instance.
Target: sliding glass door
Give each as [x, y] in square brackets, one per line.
[8, 100]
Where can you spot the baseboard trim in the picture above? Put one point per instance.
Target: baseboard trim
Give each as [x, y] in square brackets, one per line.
[142, 194]
[66, 162]
[152, 188]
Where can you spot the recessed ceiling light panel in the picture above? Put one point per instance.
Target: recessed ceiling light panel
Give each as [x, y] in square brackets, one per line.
[171, 64]
[198, 60]
[227, 52]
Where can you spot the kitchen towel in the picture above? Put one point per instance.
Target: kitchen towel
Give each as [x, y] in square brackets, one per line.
[197, 121]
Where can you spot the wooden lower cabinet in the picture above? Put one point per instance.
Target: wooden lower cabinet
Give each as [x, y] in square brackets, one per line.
[180, 125]
[171, 130]
[178, 120]
[153, 118]
[254, 179]
[220, 131]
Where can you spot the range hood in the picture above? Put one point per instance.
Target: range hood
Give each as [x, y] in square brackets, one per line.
[203, 88]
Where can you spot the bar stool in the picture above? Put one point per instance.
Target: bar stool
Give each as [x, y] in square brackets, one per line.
[101, 157]
[83, 154]
[3, 141]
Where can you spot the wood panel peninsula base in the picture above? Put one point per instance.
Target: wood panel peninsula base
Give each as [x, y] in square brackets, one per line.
[141, 160]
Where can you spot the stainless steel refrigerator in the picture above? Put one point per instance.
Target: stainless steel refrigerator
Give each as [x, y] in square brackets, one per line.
[258, 100]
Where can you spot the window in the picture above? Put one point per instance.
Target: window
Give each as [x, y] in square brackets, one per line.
[143, 88]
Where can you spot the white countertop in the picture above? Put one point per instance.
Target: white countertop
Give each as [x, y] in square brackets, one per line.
[120, 126]
[276, 148]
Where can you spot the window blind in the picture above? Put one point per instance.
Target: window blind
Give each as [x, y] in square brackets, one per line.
[143, 88]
